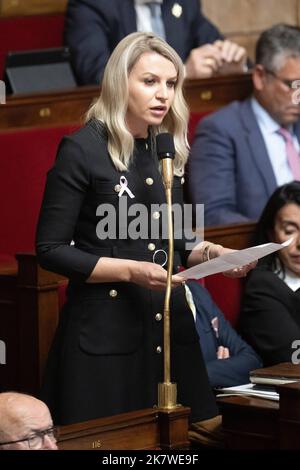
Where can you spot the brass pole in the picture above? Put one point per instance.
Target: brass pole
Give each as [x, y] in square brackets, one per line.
[167, 391]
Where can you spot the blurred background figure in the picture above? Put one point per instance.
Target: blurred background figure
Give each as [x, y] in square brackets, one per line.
[25, 423]
[93, 28]
[244, 151]
[270, 317]
[228, 358]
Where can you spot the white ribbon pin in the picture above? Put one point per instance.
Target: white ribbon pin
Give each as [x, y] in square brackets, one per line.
[124, 187]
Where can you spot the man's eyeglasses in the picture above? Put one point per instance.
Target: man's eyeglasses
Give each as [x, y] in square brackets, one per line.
[36, 440]
[286, 82]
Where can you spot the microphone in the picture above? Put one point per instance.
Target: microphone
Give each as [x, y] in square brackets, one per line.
[166, 152]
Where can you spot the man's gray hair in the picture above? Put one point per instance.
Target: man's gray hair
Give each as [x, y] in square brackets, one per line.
[277, 44]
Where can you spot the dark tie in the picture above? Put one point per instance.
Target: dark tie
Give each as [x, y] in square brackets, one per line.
[291, 152]
[156, 19]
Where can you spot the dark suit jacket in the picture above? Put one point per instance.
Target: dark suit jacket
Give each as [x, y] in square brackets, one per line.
[94, 27]
[270, 317]
[229, 168]
[221, 372]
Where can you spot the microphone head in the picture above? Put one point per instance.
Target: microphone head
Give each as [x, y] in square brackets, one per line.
[165, 146]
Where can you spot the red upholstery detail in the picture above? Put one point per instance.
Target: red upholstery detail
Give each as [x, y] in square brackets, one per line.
[226, 293]
[6, 259]
[62, 294]
[31, 32]
[26, 156]
[194, 120]
[8, 263]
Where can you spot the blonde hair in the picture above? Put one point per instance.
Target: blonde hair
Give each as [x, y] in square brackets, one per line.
[111, 106]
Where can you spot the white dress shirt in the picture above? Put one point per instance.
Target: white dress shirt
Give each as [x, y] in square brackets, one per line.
[289, 278]
[143, 15]
[275, 143]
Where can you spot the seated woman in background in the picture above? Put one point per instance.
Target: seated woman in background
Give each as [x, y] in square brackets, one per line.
[270, 318]
[228, 358]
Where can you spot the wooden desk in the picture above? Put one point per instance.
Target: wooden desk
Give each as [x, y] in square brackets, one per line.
[138, 430]
[250, 423]
[254, 423]
[209, 94]
[289, 416]
[236, 236]
[29, 316]
[70, 106]
[11, 8]
[47, 109]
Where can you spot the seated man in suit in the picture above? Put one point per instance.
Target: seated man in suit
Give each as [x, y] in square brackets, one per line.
[228, 358]
[244, 151]
[25, 423]
[94, 27]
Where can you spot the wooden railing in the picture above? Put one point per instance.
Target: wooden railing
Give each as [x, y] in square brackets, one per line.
[251, 423]
[70, 106]
[144, 429]
[29, 317]
[31, 7]
[236, 236]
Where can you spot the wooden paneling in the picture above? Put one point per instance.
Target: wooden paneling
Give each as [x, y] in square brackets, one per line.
[249, 15]
[298, 13]
[31, 7]
[254, 423]
[29, 316]
[47, 109]
[250, 423]
[144, 429]
[37, 307]
[237, 236]
[289, 415]
[237, 19]
[8, 322]
[248, 41]
[207, 95]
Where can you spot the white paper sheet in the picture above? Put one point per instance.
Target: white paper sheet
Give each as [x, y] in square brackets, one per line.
[232, 260]
[268, 393]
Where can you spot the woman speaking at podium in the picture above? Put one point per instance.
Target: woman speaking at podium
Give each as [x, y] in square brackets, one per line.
[107, 356]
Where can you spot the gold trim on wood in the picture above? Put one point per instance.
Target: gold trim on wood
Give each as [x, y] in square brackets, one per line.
[31, 7]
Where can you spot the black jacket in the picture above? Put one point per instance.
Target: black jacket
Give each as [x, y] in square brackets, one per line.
[270, 317]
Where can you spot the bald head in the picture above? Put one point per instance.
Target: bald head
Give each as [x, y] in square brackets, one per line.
[22, 416]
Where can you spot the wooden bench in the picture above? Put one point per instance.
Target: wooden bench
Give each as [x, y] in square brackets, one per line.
[138, 430]
[13, 8]
[69, 107]
[251, 423]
